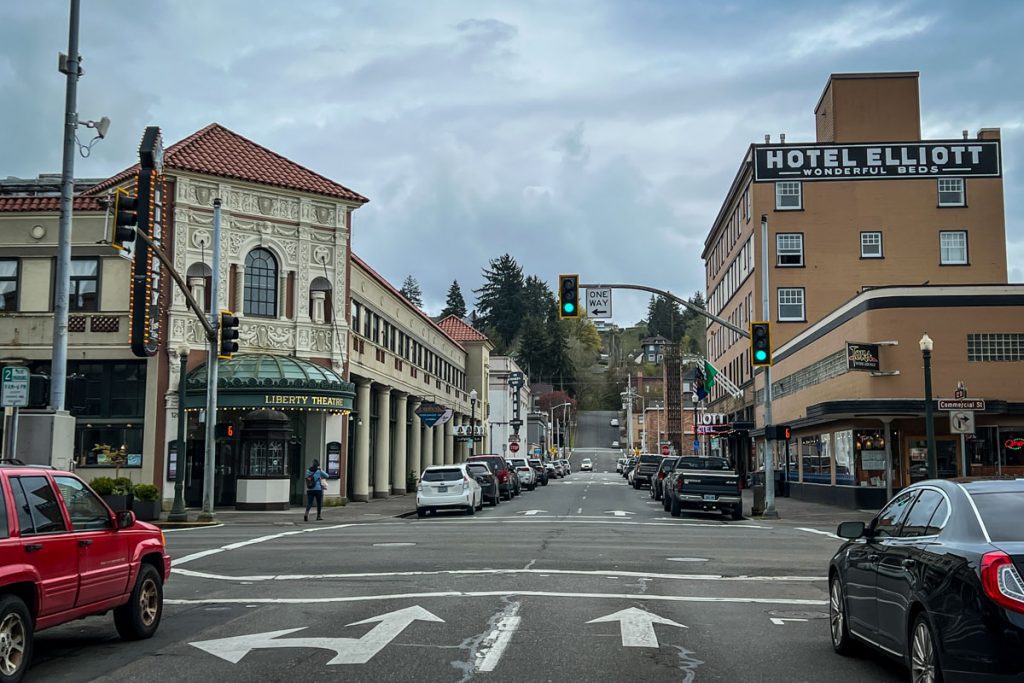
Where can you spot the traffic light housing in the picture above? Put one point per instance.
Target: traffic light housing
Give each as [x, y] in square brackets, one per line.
[568, 296]
[224, 430]
[126, 217]
[228, 333]
[777, 432]
[760, 344]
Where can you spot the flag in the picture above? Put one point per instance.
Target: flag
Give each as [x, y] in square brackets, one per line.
[709, 372]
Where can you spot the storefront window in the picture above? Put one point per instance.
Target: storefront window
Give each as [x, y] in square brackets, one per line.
[869, 458]
[263, 458]
[815, 454]
[1012, 444]
[108, 445]
[844, 458]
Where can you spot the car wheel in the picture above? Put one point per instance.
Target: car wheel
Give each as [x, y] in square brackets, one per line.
[139, 617]
[675, 508]
[471, 509]
[737, 513]
[924, 660]
[480, 503]
[15, 638]
[664, 503]
[544, 483]
[841, 641]
[494, 501]
[421, 512]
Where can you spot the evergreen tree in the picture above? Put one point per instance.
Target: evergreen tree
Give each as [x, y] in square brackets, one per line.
[562, 372]
[500, 301]
[411, 291]
[538, 299]
[665, 317]
[533, 349]
[455, 305]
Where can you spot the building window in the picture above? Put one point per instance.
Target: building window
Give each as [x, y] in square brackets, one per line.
[953, 247]
[951, 192]
[995, 347]
[85, 278]
[261, 284]
[355, 317]
[791, 304]
[871, 245]
[789, 249]
[788, 196]
[8, 284]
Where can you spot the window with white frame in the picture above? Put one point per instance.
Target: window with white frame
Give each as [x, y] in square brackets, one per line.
[871, 245]
[791, 304]
[953, 247]
[951, 192]
[789, 249]
[788, 195]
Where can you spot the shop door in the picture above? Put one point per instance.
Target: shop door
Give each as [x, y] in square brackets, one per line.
[297, 472]
[226, 483]
[194, 462]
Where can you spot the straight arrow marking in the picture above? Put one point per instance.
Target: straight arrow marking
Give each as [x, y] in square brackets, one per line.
[620, 513]
[779, 622]
[530, 513]
[636, 626]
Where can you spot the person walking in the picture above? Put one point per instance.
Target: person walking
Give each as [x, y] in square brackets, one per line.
[315, 478]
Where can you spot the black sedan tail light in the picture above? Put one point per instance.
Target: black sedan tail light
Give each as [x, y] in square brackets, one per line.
[1001, 581]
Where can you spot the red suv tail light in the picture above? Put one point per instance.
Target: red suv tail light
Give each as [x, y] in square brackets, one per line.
[1001, 581]
[661, 475]
[503, 476]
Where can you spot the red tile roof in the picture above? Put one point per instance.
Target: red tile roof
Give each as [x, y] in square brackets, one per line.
[460, 331]
[217, 151]
[47, 203]
[388, 286]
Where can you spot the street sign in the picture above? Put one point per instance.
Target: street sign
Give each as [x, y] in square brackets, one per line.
[15, 387]
[514, 447]
[961, 404]
[961, 421]
[599, 303]
[664, 449]
[430, 413]
[513, 438]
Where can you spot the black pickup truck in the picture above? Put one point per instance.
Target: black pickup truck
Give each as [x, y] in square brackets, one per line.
[703, 483]
[646, 469]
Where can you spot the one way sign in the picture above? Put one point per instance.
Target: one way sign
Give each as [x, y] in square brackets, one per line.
[599, 303]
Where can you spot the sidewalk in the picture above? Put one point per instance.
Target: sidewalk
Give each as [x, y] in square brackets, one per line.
[381, 508]
[802, 512]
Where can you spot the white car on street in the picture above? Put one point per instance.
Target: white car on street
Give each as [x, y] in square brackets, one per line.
[527, 475]
[448, 487]
[586, 465]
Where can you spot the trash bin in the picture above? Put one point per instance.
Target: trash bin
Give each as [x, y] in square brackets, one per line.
[758, 507]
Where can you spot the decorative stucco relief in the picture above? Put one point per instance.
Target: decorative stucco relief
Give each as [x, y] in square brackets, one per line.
[266, 336]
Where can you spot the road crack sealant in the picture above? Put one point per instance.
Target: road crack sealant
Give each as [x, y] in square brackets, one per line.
[486, 649]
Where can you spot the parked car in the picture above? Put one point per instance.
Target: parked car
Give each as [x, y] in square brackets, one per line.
[542, 472]
[559, 468]
[629, 466]
[702, 483]
[550, 468]
[614, 422]
[508, 484]
[489, 490]
[448, 487]
[657, 483]
[586, 465]
[646, 469]
[615, 444]
[527, 477]
[935, 580]
[620, 464]
[46, 577]
[566, 467]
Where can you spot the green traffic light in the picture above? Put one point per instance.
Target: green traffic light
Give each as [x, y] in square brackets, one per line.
[568, 307]
[760, 356]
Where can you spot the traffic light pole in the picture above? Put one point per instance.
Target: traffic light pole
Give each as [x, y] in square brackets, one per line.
[190, 300]
[769, 445]
[210, 464]
[682, 302]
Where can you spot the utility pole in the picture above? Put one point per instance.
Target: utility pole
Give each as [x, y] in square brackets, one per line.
[769, 446]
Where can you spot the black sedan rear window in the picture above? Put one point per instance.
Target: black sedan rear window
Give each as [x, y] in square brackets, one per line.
[1002, 513]
[494, 464]
[650, 459]
[697, 463]
[453, 474]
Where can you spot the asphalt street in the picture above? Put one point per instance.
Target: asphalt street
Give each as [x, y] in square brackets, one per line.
[584, 579]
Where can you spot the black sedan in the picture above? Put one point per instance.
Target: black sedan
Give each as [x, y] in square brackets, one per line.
[935, 580]
[489, 489]
[667, 465]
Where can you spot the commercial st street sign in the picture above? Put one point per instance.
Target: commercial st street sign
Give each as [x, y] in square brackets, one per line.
[15, 387]
[890, 161]
[962, 404]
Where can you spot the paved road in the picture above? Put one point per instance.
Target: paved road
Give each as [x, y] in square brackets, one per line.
[527, 591]
[595, 430]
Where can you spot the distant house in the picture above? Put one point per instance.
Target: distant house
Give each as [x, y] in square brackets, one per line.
[654, 348]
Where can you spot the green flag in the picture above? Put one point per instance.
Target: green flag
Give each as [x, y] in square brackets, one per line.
[709, 375]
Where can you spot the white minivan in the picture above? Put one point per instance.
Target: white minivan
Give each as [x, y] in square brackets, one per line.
[448, 487]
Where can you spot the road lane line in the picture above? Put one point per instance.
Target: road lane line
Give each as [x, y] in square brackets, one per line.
[252, 541]
[307, 600]
[820, 533]
[497, 640]
[193, 528]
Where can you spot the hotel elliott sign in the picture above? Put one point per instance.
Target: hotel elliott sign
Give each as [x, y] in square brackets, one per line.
[882, 161]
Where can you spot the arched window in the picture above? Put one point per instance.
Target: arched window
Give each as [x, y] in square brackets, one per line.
[320, 304]
[261, 284]
[198, 277]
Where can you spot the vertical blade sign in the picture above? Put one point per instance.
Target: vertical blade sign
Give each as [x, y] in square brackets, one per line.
[144, 303]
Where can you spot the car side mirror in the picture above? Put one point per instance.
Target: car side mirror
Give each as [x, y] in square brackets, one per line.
[850, 530]
[125, 519]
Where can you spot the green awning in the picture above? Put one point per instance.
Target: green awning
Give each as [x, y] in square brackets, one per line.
[264, 380]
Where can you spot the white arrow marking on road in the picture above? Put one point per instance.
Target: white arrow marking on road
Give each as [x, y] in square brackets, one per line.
[637, 626]
[780, 622]
[620, 513]
[347, 650]
[530, 513]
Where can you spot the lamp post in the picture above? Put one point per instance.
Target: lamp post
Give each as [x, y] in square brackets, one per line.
[927, 345]
[472, 420]
[557, 430]
[178, 513]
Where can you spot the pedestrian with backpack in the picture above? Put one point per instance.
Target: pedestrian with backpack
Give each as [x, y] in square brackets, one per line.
[315, 486]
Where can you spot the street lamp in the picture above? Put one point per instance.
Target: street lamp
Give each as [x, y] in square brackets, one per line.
[927, 345]
[472, 420]
[178, 513]
[552, 410]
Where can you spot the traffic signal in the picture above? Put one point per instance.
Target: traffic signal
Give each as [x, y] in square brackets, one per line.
[224, 430]
[126, 217]
[760, 344]
[568, 296]
[228, 332]
[777, 432]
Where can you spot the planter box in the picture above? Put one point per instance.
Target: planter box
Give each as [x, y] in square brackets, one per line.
[146, 510]
[118, 503]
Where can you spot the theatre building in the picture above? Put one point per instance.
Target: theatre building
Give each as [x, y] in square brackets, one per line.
[876, 238]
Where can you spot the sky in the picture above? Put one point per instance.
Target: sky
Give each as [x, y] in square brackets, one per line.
[596, 137]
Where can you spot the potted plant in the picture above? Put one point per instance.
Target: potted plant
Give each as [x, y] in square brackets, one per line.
[410, 482]
[146, 503]
[117, 493]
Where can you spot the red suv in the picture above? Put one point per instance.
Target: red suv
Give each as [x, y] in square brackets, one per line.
[65, 555]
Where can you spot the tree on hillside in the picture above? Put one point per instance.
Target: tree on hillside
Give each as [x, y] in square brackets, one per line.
[411, 291]
[665, 317]
[562, 372]
[455, 304]
[533, 348]
[546, 402]
[538, 299]
[500, 301]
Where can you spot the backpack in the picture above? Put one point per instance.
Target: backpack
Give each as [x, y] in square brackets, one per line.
[310, 481]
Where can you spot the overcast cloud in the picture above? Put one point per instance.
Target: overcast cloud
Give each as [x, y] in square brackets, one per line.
[584, 136]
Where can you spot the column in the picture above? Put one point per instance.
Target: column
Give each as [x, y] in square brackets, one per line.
[427, 458]
[239, 290]
[197, 286]
[361, 471]
[449, 442]
[399, 472]
[438, 444]
[416, 441]
[464, 450]
[282, 297]
[382, 454]
[318, 313]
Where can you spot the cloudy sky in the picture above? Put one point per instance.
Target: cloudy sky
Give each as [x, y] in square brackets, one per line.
[590, 136]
